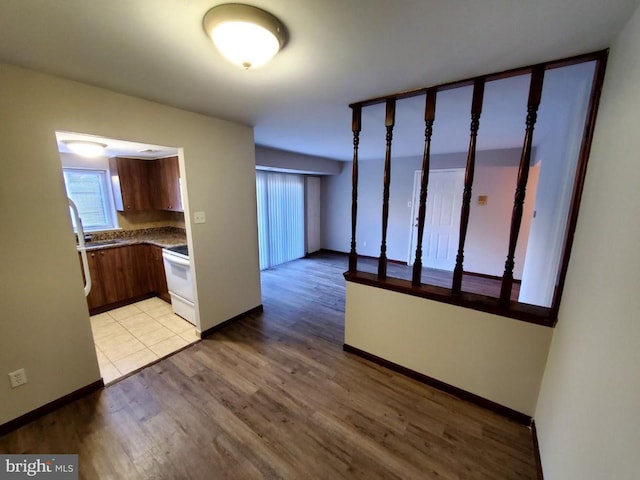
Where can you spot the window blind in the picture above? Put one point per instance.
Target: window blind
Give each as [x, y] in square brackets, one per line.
[280, 217]
[87, 189]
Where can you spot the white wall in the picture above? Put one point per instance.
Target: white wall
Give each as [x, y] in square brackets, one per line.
[282, 161]
[557, 153]
[489, 225]
[312, 206]
[45, 322]
[497, 358]
[488, 235]
[588, 415]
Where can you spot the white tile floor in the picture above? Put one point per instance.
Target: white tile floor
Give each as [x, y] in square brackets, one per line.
[131, 337]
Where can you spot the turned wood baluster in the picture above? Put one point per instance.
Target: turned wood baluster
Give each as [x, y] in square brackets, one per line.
[429, 117]
[389, 122]
[535, 93]
[356, 123]
[476, 111]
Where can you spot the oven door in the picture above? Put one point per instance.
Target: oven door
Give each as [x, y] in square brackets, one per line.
[178, 272]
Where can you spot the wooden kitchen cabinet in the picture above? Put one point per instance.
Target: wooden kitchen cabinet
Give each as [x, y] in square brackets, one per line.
[146, 184]
[168, 182]
[95, 298]
[131, 180]
[157, 278]
[119, 275]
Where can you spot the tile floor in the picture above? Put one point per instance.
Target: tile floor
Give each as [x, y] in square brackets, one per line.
[133, 336]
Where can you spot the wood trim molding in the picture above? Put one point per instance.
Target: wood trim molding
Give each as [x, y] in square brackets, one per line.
[563, 62]
[123, 303]
[445, 387]
[49, 407]
[519, 311]
[536, 450]
[226, 323]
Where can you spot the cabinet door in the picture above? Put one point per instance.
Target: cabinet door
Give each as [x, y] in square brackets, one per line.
[169, 194]
[156, 273]
[139, 274]
[96, 297]
[131, 183]
[116, 271]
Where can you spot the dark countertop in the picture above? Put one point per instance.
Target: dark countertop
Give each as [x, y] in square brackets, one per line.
[160, 237]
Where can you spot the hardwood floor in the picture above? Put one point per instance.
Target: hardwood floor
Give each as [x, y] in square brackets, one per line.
[274, 396]
[441, 278]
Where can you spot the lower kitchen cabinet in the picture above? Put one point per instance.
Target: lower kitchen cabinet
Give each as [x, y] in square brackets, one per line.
[124, 274]
[157, 277]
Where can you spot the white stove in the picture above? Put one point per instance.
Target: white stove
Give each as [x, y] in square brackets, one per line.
[177, 269]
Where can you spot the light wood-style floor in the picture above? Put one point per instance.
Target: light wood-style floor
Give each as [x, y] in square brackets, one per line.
[274, 396]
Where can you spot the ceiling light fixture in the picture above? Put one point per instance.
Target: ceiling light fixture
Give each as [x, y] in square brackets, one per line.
[85, 148]
[245, 35]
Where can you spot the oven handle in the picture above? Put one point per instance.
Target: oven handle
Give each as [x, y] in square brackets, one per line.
[176, 260]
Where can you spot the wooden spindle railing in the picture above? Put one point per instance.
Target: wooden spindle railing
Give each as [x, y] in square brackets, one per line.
[356, 123]
[429, 117]
[535, 94]
[389, 122]
[476, 111]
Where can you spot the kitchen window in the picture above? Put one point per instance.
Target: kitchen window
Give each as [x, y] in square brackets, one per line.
[88, 188]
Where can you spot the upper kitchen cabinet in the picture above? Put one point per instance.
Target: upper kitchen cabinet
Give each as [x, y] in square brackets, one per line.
[146, 184]
[168, 175]
[131, 181]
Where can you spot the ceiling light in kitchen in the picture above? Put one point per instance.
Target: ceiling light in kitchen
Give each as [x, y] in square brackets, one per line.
[247, 36]
[85, 148]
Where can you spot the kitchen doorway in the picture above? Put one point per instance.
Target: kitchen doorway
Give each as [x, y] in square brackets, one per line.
[128, 197]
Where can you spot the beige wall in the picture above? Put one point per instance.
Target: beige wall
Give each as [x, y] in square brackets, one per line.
[45, 325]
[588, 415]
[497, 358]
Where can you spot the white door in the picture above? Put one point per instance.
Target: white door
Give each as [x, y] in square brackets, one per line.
[442, 219]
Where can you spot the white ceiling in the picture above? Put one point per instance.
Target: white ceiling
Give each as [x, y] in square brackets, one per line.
[116, 147]
[340, 51]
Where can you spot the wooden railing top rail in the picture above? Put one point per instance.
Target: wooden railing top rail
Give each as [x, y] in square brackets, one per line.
[514, 72]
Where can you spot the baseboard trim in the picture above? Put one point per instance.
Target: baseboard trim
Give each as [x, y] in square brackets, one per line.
[536, 450]
[445, 387]
[226, 323]
[28, 417]
[122, 303]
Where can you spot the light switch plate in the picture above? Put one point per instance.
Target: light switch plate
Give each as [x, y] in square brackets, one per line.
[199, 217]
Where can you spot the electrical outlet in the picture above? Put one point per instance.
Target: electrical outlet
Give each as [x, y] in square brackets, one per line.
[19, 377]
[199, 217]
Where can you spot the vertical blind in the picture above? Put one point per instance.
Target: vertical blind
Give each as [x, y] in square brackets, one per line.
[280, 217]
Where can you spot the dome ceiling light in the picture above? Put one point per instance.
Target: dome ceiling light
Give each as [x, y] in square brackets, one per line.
[85, 148]
[245, 35]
